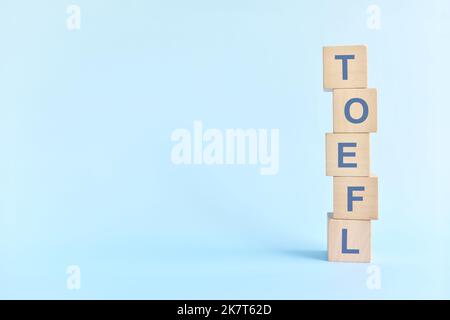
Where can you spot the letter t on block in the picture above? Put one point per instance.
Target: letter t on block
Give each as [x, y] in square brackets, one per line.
[345, 67]
[348, 240]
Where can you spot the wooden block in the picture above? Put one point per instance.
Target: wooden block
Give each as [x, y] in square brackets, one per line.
[355, 110]
[349, 240]
[345, 67]
[355, 198]
[347, 154]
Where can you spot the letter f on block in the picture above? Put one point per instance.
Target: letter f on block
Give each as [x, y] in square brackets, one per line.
[344, 244]
[351, 198]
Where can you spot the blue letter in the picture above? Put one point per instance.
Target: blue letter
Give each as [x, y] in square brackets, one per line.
[344, 244]
[364, 114]
[342, 154]
[351, 198]
[344, 59]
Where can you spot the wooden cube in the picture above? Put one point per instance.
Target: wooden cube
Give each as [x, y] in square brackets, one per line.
[349, 240]
[345, 67]
[347, 154]
[355, 198]
[355, 110]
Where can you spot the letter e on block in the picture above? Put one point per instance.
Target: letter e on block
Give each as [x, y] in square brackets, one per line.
[348, 240]
[345, 67]
[347, 155]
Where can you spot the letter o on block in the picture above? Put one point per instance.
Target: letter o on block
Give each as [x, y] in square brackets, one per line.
[355, 110]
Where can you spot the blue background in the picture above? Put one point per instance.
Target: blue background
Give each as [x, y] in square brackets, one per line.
[85, 171]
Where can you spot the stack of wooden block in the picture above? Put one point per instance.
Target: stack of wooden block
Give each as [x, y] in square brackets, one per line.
[355, 190]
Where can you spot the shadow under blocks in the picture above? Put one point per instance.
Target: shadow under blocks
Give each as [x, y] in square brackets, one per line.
[307, 254]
